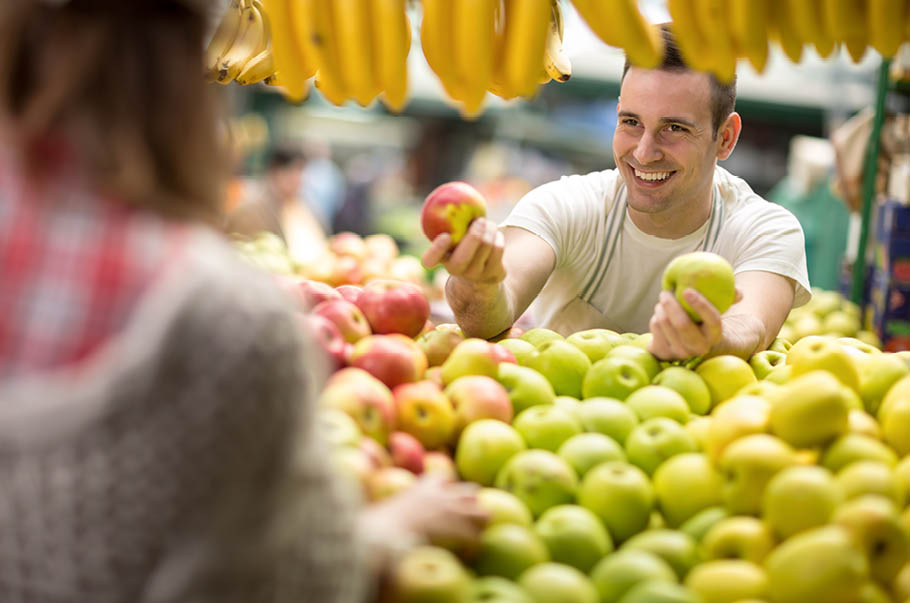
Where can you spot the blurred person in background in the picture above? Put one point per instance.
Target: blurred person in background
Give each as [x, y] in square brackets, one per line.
[591, 249]
[157, 440]
[323, 185]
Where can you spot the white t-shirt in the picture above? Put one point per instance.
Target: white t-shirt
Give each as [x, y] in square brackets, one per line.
[615, 286]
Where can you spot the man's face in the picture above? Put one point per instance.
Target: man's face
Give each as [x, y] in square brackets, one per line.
[664, 144]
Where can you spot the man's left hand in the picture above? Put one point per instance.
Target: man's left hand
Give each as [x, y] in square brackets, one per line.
[675, 335]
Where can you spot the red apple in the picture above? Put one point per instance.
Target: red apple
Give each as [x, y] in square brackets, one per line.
[311, 293]
[393, 359]
[475, 357]
[329, 338]
[376, 453]
[450, 208]
[439, 343]
[349, 292]
[425, 412]
[478, 397]
[381, 246]
[351, 322]
[366, 399]
[394, 307]
[349, 244]
[407, 451]
[440, 463]
[345, 270]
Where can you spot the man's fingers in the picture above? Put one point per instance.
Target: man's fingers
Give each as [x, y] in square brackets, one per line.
[710, 327]
[437, 250]
[476, 270]
[494, 270]
[464, 252]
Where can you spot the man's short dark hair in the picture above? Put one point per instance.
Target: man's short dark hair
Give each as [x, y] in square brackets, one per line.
[723, 96]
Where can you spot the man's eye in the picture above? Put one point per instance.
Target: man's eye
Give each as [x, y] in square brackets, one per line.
[630, 122]
[677, 128]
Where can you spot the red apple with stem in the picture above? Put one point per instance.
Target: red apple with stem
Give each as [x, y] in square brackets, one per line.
[394, 307]
[450, 208]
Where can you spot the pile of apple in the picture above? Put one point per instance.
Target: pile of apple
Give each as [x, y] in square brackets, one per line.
[827, 313]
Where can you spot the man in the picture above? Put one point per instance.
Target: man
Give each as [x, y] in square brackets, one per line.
[592, 248]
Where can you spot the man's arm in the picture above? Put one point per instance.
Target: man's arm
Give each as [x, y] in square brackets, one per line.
[495, 275]
[749, 326]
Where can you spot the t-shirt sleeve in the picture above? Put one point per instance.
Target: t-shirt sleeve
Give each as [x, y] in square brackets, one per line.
[773, 241]
[564, 213]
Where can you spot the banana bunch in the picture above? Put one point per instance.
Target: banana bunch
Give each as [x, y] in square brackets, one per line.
[507, 47]
[241, 49]
[619, 23]
[356, 49]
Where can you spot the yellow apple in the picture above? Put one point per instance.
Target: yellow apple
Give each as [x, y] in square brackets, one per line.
[861, 422]
[430, 574]
[724, 376]
[735, 418]
[815, 353]
[558, 583]
[810, 410]
[877, 373]
[852, 447]
[800, 498]
[876, 525]
[869, 477]
[689, 385]
[738, 537]
[894, 416]
[727, 580]
[748, 464]
[685, 485]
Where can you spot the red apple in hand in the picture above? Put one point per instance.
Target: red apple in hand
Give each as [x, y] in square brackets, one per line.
[393, 359]
[407, 451]
[450, 208]
[351, 322]
[329, 338]
[394, 307]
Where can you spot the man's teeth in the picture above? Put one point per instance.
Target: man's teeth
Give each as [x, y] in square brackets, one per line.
[652, 176]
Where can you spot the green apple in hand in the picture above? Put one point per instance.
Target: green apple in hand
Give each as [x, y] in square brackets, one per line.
[618, 573]
[706, 272]
[574, 536]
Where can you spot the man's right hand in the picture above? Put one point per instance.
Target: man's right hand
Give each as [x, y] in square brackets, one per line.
[477, 257]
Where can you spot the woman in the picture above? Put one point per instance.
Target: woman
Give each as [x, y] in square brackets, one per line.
[156, 431]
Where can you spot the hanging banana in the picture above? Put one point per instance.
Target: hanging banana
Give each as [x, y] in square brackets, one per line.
[886, 20]
[556, 63]
[473, 34]
[749, 29]
[712, 17]
[224, 37]
[524, 45]
[846, 22]
[353, 26]
[642, 42]
[250, 41]
[437, 40]
[809, 18]
[288, 55]
[595, 15]
[692, 43]
[322, 43]
[391, 45]
[782, 29]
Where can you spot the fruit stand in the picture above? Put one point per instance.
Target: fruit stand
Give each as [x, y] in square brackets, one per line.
[608, 475]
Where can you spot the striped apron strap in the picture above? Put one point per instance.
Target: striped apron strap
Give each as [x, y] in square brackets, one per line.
[614, 219]
[714, 223]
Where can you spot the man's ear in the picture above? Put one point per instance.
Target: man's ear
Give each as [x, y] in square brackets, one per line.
[728, 135]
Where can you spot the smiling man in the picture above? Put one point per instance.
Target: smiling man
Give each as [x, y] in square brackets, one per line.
[592, 248]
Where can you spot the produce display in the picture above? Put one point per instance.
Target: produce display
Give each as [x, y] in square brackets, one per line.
[610, 476]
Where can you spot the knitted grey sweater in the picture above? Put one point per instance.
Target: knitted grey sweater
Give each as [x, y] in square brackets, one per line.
[180, 463]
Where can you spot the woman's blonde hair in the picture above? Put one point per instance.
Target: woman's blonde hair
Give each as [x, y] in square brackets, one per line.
[120, 82]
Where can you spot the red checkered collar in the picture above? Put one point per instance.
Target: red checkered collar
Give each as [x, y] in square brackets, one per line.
[73, 265]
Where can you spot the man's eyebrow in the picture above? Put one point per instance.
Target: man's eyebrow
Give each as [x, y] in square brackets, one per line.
[667, 120]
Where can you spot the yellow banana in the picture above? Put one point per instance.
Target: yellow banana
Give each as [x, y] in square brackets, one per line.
[594, 14]
[887, 19]
[437, 39]
[497, 85]
[223, 38]
[353, 24]
[692, 43]
[782, 30]
[288, 54]
[711, 15]
[525, 44]
[322, 43]
[809, 22]
[250, 41]
[392, 43]
[642, 42]
[556, 63]
[474, 32]
[846, 21]
[749, 27]
[257, 69]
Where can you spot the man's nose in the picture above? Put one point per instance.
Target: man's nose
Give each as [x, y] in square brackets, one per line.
[647, 150]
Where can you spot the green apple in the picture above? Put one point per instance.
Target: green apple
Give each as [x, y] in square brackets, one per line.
[338, 428]
[689, 385]
[698, 428]
[706, 272]
[494, 589]
[780, 375]
[800, 498]
[780, 344]
[877, 373]
[873, 593]
[875, 523]
[595, 343]
[526, 387]
[538, 336]
[656, 440]
[430, 574]
[739, 537]
[439, 343]
[639, 355]
[701, 523]
[725, 375]
[728, 580]
[735, 418]
[852, 447]
[507, 550]
[660, 592]
[810, 410]
[587, 450]
[748, 464]
[563, 365]
[815, 353]
[841, 324]
[902, 477]
[484, 447]
[614, 377]
[616, 574]
[861, 422]
[764, 362]
[821, 564]
[869, 477]
[539, 478]
[521, 349]
[609, 417]
[894, 416]
[686, 485]
[558, 583]
[621, 495]
[568, 404]
[658, 401]
[677, 548]
[858, 344]
[902, 583]
[503, 507]
[643, 341]
[546, 426]
[574, 536]
[472, 357]
[762, 389]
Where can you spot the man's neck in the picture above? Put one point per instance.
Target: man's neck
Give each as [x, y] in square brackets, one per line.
[679, 221]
